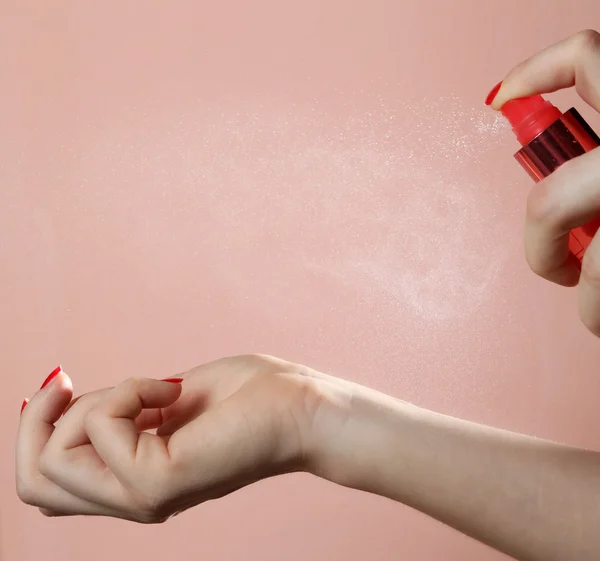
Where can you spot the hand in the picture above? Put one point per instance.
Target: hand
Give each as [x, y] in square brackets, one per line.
[235, 421]
[224, 425]
[570, 197]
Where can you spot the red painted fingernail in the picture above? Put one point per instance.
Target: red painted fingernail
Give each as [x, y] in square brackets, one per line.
[24, 404]
[173, 380]
[492, 95]
[51, 376]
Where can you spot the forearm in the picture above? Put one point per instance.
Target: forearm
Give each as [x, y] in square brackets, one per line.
[529, 498]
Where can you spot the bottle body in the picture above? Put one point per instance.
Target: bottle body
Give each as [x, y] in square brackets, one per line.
[568, 137]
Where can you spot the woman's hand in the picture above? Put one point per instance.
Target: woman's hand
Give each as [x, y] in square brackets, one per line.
[570, 197]
[219, 427]
[232, 422]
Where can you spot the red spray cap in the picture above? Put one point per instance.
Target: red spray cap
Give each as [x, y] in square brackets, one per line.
[530, 116]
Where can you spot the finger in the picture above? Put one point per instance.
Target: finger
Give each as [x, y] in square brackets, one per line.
[95, 511]
[589, 288]
[112, 430]
[37, 422]
[73, 402]
[185, 409]
[71, 461]
[147, 420]
[51, 498]
[35, 429]
[572, 62]
[569, 198]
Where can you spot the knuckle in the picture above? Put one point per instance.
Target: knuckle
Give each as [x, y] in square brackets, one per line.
[150, 508]
[588, 40]
[590, 272]
[265, 360]
[92, 418]
[536, 262]
[535, 265]
[255, 362]
[130, 384]
[268, 363]
[257, 358]
[151, 498]
[26, 492]
[87, 400]
[149, 517]
[592, 325]
[590, 269]
[49, 513]
[47, 464]
[542, 207]
[591, 321]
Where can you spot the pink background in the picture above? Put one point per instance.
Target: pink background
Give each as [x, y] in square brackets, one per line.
[316, 180]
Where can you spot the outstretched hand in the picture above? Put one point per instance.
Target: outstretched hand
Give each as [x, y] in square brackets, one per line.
[218, 427]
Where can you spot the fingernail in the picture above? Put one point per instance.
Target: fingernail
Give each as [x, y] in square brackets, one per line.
[492, 95]
[24, 404]
[51, 376]
[173, 380]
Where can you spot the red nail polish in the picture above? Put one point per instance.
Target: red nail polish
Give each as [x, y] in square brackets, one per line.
[492, 95]
[51, 377]
[173, 380]
[24, 404]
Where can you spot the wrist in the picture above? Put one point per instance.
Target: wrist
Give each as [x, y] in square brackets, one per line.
[356, 433]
